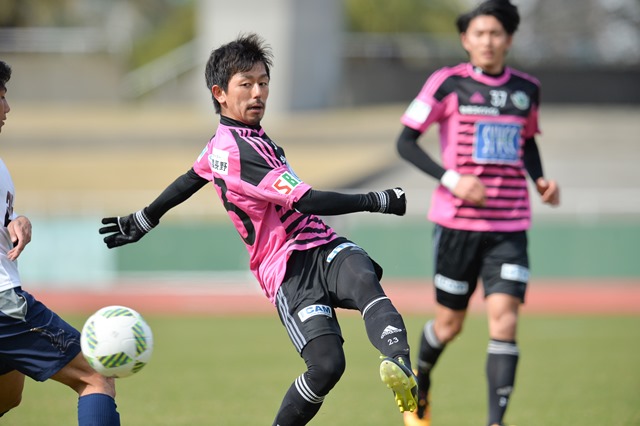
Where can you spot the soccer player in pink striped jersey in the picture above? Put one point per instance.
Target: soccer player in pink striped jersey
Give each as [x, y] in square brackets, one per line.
[304, 268]
[487, 113]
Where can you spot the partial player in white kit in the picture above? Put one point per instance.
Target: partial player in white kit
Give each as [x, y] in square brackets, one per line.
[34, 341]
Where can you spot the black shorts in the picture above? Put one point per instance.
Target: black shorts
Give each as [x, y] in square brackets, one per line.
[308, 296]
[462, 257]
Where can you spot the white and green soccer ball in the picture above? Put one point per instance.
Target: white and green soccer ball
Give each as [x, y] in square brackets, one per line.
[116, 341]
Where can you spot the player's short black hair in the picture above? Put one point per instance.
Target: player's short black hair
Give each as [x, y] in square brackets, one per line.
[237, 56]
[502, 10]
[5, 74]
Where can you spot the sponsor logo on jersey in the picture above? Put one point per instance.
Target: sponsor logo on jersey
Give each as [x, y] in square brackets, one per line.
[512, 272]
[314, 310]
[285, 183]
[450, 286]
[496, 143]
[520, 100]
[219, 161]
[418, 111]
[478, 110]
[389, 330]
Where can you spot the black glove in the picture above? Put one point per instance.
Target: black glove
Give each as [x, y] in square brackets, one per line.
[389, 201]
[126, 229]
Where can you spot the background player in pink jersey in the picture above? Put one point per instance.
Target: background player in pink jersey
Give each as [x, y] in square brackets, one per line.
[34, 341]
[488, 119]
[304, 268]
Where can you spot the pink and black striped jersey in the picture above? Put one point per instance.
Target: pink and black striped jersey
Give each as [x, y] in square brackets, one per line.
[258, 189]
[484, 121]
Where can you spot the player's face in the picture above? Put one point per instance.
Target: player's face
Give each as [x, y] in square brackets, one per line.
[245, 99]
[487, 43]
[4, 107]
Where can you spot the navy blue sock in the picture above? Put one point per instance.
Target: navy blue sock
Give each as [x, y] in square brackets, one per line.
[97, 409]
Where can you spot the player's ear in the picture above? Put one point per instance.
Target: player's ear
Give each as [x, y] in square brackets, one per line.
[463, 41]
[509, 41]
[218, 93]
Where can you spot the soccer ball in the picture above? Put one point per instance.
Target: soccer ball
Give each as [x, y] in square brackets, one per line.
[116, 341]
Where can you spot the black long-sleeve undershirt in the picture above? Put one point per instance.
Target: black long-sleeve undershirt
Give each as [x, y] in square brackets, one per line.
[409, 149]
[532, 160]
[327, 203]
[177, 192]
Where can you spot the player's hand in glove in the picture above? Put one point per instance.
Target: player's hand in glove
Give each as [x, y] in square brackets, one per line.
[126, 229]
[392, 201]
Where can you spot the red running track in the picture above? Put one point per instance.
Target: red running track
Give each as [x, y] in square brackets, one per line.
[606, 297]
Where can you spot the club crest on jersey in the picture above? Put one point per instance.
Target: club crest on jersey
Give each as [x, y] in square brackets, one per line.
[285, 183]
[219, 161]
[520, 100]
[314, 310]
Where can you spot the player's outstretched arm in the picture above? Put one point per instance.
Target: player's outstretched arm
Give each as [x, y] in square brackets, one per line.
[327, 203]
[123, 230]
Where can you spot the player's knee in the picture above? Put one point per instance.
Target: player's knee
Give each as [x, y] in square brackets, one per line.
[93, 382]
[9, 403]
[97, 383]
[327, 371]
[448, 331]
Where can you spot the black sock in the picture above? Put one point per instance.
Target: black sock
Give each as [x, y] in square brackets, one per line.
[430, 350]
[502, 360]
[386, 330]
[295, 409]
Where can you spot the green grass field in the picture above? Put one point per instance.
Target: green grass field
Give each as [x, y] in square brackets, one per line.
[233, 371]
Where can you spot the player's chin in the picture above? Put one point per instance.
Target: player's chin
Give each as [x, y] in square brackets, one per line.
[254, 115]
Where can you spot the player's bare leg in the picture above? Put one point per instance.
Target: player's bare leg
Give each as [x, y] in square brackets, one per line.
[11, 386]
[96, 403]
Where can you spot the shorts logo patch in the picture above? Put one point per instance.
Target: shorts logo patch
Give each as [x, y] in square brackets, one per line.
[219, 161]
[418, 111]
[338, 249]
[314, 310]
[496, 143]
[513, 272]
[450, 286]
[285, 183]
